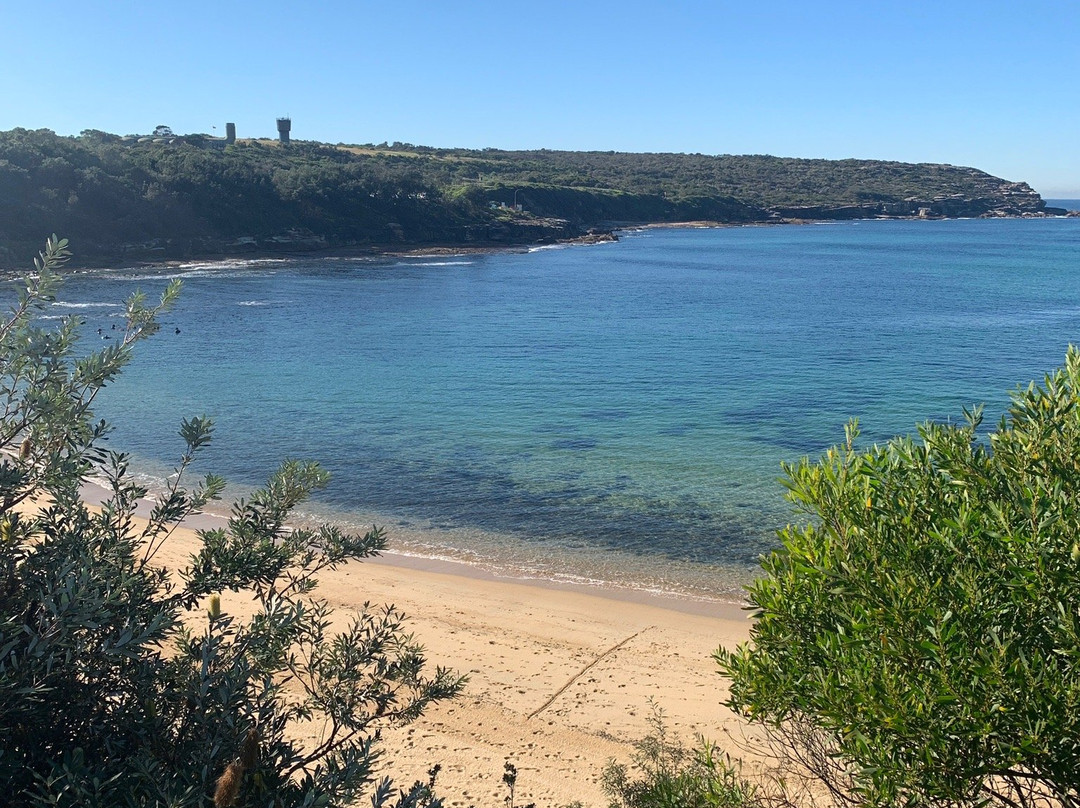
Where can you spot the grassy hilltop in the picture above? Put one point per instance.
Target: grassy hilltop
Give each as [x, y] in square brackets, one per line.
[155, 198]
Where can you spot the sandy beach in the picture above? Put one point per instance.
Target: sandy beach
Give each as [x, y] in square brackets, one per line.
[560, 681]
[561, 677]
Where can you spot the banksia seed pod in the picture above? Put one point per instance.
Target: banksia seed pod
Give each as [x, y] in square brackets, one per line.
[228, 785]
[24, 450]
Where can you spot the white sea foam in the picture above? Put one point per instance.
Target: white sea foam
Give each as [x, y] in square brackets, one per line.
[62, 305]
[549, 247]
[127, 276]
[519, 569]
[233, 263]
[415, 263]
[385, 261]
[254, 303]
[186, 274]
[569, 245]
[194, 269]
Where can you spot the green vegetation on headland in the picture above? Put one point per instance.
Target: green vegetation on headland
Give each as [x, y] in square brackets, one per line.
[168, 198]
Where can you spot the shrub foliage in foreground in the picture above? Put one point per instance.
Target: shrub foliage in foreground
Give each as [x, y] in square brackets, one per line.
[121, 685]
[921, 630]
[673, 777]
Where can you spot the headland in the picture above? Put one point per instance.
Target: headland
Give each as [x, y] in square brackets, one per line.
[133, 199]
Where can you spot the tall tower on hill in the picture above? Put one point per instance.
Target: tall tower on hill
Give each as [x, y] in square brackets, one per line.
[283, 127]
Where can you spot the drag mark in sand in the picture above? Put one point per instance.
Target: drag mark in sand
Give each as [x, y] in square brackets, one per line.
[583, 671]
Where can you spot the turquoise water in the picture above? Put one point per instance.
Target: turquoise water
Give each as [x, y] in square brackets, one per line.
[616, 412]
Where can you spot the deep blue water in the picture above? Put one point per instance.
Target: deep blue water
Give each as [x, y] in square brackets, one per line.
[616, 412]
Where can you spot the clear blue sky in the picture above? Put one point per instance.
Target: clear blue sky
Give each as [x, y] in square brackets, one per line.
[989, 84]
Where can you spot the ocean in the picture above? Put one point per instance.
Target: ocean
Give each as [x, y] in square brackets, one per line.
[615, 413]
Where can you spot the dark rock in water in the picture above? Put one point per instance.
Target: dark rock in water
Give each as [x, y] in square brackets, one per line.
[596, 236]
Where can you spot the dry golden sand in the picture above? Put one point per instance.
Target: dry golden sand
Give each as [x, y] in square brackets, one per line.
[560, 678]
[559, 681]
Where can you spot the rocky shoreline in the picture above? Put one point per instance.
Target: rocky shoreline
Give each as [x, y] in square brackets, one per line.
[522, 231]
[606, 232]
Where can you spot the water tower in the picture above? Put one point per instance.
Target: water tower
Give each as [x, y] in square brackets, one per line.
[283, 127]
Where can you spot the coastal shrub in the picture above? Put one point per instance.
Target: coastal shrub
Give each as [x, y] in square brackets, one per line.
[916, 639]
[671, 776]
[124, 684]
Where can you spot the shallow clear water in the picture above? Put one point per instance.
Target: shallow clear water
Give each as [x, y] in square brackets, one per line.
[616, 412]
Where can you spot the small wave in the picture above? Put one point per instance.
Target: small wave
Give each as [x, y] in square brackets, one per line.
[569, 245]
[541, 573]
[254, 303]
[351, 259]
[193, 269]
[414, 263]
[61, 305]
[112, 315]
[129, 275]
[234, 263]
[191, 273]
[151, 276]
